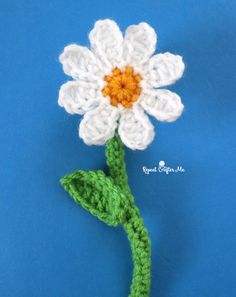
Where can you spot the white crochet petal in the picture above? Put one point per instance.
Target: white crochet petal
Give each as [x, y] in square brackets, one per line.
[99, 125]
[164, 105]
[80, 63]
[106, 42]
[164, 69]
[139, 44]
[135, 129]
[78, 97]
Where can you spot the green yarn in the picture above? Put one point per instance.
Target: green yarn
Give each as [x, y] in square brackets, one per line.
[109, 198]
[97, 194]
[134, 226]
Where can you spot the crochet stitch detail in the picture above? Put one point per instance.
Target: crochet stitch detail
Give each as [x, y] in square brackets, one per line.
[109, 198]
[115, 85]
[122, 87]
[120, 71]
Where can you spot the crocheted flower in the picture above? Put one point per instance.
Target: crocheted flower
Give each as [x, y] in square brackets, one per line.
[116, 83]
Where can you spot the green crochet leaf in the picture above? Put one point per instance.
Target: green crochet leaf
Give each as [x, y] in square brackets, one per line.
[96, 193]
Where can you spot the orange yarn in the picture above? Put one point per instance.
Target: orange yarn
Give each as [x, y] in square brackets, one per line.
[122, 87]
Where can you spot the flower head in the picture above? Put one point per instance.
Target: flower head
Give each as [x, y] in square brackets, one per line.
[116, 83]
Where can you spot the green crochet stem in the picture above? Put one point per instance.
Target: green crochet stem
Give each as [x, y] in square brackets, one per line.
[109, 198]
[133, 225]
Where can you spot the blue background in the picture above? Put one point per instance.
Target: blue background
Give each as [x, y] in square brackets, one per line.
[49, 246]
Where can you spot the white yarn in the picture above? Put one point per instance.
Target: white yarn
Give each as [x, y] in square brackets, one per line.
[139, 44]
[80, 63]
[106, 42]
[109, 50]
[164, 105]
[135, 129]
[99, 124]
[164, 69]
[78, 97]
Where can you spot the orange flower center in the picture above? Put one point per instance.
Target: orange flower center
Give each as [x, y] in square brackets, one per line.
[122, 87]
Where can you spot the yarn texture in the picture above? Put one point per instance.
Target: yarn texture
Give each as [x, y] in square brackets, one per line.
[119, 77]
[109, 198]
[115, 85]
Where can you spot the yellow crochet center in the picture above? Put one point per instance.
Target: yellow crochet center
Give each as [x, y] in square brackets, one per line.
[122, 87]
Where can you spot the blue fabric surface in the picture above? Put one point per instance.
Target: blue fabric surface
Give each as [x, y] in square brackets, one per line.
[49, 246]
